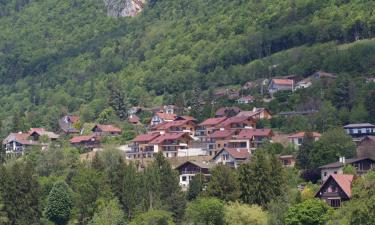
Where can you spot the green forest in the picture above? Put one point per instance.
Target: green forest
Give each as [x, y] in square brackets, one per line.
[59, 57]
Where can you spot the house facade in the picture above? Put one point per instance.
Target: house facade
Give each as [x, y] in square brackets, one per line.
[68, 124]
[238, 122]
[87, 142]
[208, 127]
[171, 143]
[336, 189]
[17, 143]
[296, 139]
[287, 160]
[106, 130]
[189, 169]
[280, 85]
[362, 165]
[245, 100]
[231, 157]
[360, 130]
[162, 117]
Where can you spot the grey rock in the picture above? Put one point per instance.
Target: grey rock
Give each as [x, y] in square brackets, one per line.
[124, 8]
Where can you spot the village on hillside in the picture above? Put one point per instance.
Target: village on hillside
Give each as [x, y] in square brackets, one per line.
[230, 137]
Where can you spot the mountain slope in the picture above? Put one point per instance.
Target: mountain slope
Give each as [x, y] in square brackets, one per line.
[57, 56]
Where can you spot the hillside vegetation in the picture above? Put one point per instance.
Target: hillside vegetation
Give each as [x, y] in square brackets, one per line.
[60, 56]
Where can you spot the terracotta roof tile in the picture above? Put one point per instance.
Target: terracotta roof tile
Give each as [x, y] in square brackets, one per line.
[283, 81]
[221, 134]
[345, 182]
[213, 121]
[250, 133]
[168, 136]
[238, 154]
[107, 128]
[78, 139]
[236, 119]
[166, 116]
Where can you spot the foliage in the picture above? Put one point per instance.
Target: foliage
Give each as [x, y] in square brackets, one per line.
[349, 169]
[205, 211]
[224, 183]
[303, 159]
[261, 180]
[59, 204]
[196, 186]
[242, 214]
[108, 213]
[20, 193]
[309, 212]
[153, 217]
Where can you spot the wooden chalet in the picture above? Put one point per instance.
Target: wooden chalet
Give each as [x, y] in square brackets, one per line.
[87, 142]
[231, 157]
[366, 147]
[106, 130]
[336, 189]
[189, 169]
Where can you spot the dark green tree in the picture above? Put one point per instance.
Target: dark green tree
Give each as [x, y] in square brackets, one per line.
[208, 211]
[196, 186]
[118, 99]
[224, 183]
[261, 180]
[303, 159]
[59, 203]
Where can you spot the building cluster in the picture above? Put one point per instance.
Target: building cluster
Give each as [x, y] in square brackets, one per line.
[230, 138]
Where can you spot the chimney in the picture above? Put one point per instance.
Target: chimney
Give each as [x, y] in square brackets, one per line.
[343, 159]
[254, 109]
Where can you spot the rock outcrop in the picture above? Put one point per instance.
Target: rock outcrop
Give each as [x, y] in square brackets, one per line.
[123, 8]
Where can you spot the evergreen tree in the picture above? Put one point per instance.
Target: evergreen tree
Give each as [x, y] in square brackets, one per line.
[118, 99]
[59, 203]
[224, 183]
[196, 186]
[130, 189]
[261, 180]
[303, 159]
[20, 194]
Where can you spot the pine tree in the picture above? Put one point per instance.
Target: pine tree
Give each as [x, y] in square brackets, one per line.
[59, 203]
[224, 183]
[262, 179]
[131, 184]
[303, 159]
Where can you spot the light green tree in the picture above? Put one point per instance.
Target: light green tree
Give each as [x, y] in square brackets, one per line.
[243, 214]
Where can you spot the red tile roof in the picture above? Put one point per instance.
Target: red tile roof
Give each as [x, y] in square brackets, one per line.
[302, 134]
[134, 119]
[74, 119]
[107, 128]
[42, 131]
[283, 81]
[21, 138]
[166, 116]
[168, 136]
[250, 133]
[213, 121]
[188, 118]
[221, 134]
[78, 139]
[145, 137]
[223, 110]
[168, 125]
[236, 119]
[344, 181]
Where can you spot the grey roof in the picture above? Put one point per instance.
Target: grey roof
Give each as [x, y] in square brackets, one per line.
[200, 164]
[340, 164]
[359, 125]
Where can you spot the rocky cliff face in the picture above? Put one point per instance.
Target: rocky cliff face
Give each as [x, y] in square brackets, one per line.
[123, 8]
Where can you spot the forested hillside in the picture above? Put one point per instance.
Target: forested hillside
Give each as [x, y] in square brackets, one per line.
[59, 56]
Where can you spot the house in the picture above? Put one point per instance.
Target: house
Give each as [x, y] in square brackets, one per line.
[287, 160]
[134, 110]
[362, 165]
[297, 138]
[134, 119]
[87, 142]
[305, 83]
[17, 143]
[36, 133]
[280, 85]
[208, 127]
[187, 126]
[141, 146]
[336, 189]
[257, 113]
[249, 85]
[161, 117]
[237, 122]
[250, 139]
[245, 100]
[366, 147]
[171, 143]
[230, 93]
[106, 130]
[189, 169]
[360, 130]
[218, 140]
[227, 111]
[68, 124]
[231, 157]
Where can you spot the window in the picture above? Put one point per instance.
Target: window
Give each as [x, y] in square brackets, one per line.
[335, 203]
[325, 174]
[335, 172]
[299, 141]
[183, 178]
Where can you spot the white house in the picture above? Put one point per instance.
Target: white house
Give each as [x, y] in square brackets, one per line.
[231, 157]
[297, 138]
